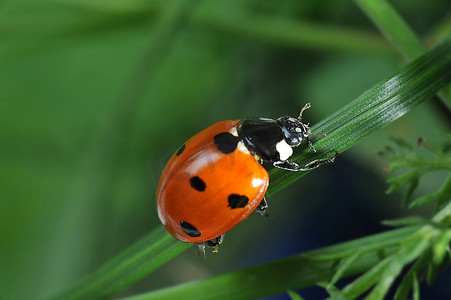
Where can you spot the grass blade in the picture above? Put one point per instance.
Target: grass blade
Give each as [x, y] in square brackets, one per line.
[142, 258]
[394, 28]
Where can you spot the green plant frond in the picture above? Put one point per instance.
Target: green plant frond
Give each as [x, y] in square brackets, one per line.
[408, 221]
[418, 166]
[366, 281]
[440, 197]
[334, 292]
[410, 189]
[294, 295]
[409, 178]
[406, 283]
[441, 246]
[416, 288]
[343, 266]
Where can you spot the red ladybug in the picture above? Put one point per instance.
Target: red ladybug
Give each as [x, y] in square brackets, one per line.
[215, 180]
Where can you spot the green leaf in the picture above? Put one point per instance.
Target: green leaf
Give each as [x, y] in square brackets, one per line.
[410, 189]
[411, 248]
[294, 295]
[344, 265]
[408, 221]
[406, 283]
[335, 294]
[373, 243]
[432, 273]
[416, 288]
[390, 272]
[444, 215]
[440, 247]
[398, 182]
[366, 281]
[441, 196]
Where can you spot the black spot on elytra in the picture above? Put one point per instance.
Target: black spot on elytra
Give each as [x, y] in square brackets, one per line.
[189, 229]
[226, 142]
[180, 151]
[236, 201]
[197, 184]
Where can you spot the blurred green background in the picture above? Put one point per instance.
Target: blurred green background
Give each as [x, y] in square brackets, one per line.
[96, 95]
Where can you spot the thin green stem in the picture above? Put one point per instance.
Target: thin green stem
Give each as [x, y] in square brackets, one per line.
[394, 28]
[154, 250]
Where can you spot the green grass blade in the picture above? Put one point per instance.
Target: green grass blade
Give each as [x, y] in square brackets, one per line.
[276, 277]
[367, 280]
[394, 28]
[142, 258]
[290, 33]
[406, 283]
[344, 265]
[398, 32]
[294, 296]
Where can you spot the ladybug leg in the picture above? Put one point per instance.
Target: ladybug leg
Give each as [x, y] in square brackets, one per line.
[261, 208]
[291, 166]
[286, 165]
[214, 243]
[309, 143]
[318, 162]
[201, 249]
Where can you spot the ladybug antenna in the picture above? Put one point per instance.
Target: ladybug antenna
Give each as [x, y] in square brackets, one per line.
[306, 106]
[316, 135]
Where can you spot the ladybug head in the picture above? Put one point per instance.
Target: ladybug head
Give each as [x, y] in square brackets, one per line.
[294, 130]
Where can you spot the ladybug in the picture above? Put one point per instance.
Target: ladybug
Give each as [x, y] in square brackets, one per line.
[216, 180]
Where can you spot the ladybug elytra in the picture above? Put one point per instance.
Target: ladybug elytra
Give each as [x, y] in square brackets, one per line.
[215, 180]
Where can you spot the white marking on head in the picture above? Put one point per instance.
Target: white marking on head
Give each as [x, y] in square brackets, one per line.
[233, 131]
[285, 151]
[298, 129]
[241, 147]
